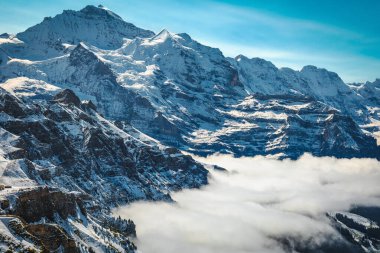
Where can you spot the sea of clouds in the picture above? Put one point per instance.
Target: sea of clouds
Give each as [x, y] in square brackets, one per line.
[259, 205]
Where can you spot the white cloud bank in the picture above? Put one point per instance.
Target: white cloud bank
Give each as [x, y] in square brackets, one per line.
[258, 202]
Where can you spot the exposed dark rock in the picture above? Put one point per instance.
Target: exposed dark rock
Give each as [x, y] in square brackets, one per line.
[48, 237]
[4, 204]
[52, 237]
[45, 203]
[165, 127]
[88, 105]
[67, 97]
[10, 106]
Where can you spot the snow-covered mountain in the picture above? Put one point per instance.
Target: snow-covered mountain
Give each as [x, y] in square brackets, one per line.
[89, 105]
[189, 95]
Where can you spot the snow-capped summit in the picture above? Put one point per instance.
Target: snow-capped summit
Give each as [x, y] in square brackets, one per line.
[97, 26]
[263, 77]
[162, 36]
[370, 91]
[256, 61]
[324, 82]
[99, 12]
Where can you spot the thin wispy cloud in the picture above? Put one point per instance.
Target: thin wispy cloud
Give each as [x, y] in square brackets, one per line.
[281, 23]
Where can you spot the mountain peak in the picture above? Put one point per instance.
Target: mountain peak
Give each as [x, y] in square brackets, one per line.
[241, 57]
[92, 10]
[193, 85]
[185, 36]
[324, 83]
[93, 25]
[82, 45]
[310, 68]
[82, 54]
[314, 71]
[163, 35]
[67, 96]
[257, 62]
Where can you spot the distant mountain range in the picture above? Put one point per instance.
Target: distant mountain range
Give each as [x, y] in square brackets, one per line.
[90, 104]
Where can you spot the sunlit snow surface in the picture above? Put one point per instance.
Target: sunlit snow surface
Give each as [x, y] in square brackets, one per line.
[258, 201]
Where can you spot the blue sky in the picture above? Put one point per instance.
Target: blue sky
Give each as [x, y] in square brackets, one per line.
[342, 36]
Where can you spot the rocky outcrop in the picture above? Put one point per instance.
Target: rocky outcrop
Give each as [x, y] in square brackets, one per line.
[36, 212]
[67, 97]
[52, 220]
[10, 105]
[47, 237]
[52, 237]
[359, 226]
[40, 203]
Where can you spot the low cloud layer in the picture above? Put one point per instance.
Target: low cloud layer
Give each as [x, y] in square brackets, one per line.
[259, 203]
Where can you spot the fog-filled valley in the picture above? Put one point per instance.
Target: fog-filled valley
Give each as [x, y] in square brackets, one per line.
[260, 205]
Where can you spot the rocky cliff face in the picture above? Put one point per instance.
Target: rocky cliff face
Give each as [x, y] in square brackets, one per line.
[285, 126]
[34, 215]
[50, 220]
[66, 143]
[40, 203]
[53, 138]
